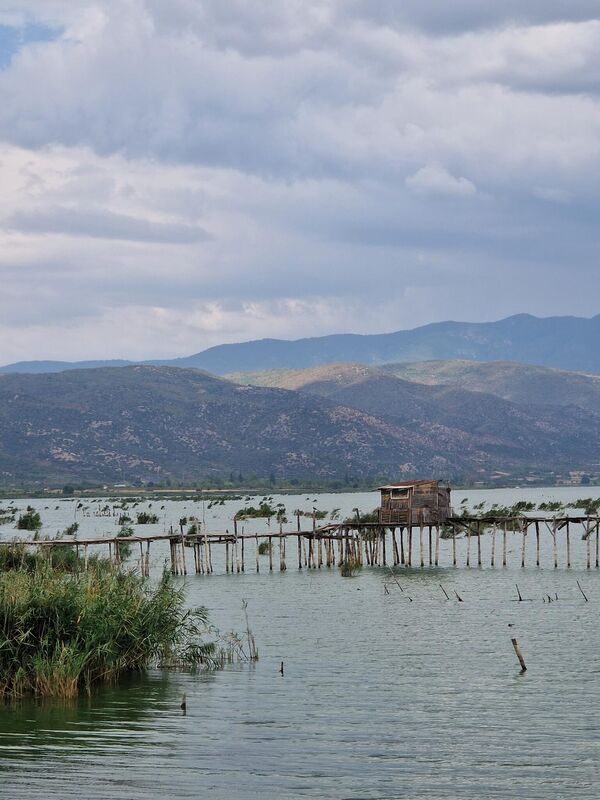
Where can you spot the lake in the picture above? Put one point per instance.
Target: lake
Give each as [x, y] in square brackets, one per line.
[382, 697]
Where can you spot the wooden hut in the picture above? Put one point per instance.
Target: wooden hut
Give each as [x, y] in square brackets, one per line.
[414, 503]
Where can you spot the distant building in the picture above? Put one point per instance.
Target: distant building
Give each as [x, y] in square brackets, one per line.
[414, 503]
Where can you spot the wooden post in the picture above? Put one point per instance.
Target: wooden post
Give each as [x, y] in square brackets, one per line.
[410, 547]
[383, 534]
[479, 546]
[183, 554]
[299, 550]
[588, 544]
[504, 545]
[524, 533]
[421, 554]
[493, 555]
[568, 545]
[437, 545]
[430, 547]
[537, 543]
[270, 554]
[227, 556]
[453, 546]
[256, 554]
[468, 547]
[515, 644]
[554, 544]
[597, 543]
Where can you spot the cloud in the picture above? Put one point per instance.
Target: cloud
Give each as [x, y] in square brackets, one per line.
[102, 224]
[434, 179]
[385, 164]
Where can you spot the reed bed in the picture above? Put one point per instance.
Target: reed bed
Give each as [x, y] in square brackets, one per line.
[64, 630]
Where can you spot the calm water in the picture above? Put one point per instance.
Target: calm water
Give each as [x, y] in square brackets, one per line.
[382, 697]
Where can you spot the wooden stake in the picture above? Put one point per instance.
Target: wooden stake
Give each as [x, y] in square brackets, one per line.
[515, 644]
[468, 547]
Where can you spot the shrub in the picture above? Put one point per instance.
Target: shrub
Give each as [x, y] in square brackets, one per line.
[62, 633]
[29, 521]
[146, 518]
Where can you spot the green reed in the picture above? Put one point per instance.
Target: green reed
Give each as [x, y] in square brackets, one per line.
[64, 631]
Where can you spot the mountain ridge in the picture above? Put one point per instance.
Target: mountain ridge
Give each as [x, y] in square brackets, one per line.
[566, 342]
[142, 423]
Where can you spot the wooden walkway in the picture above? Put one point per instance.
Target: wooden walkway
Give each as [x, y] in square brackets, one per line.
[369, 544]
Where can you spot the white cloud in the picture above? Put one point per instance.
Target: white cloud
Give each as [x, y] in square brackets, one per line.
[435, 179]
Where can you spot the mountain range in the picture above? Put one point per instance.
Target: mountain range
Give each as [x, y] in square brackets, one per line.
[568, 343]
[348, 421]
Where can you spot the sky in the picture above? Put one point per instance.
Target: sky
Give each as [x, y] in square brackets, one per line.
[180, 174]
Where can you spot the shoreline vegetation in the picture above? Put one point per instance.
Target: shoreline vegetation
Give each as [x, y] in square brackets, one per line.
[218, 489]
[65, 630]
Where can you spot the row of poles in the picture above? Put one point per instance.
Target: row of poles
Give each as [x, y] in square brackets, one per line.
[362, 545]
[410, 546]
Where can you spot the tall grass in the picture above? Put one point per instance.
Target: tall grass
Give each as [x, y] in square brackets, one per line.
[62, 632]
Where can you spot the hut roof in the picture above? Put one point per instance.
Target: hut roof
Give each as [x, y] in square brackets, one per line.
[405, 484]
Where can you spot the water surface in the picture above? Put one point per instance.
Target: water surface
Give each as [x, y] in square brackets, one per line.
[382, 697]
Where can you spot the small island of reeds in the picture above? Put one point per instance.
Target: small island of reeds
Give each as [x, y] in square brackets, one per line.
[64, 630]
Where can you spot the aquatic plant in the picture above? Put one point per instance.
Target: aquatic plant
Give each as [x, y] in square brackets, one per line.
[146, 518]
[551, 505]
[363, 517]
[589, 505]
[264, 548]
[71, 530]
[123, 549]
[29, 521]
[264, 510]
[62, 633]
[349, 567]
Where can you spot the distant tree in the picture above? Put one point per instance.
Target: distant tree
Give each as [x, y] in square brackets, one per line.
[68, 490]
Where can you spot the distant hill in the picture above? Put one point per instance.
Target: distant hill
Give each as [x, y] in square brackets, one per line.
[563, 342]
[521, 383]
[152, 423]
[536, 433]
[39, 367]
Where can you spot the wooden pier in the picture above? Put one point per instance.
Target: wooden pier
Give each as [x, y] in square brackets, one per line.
[363, 544]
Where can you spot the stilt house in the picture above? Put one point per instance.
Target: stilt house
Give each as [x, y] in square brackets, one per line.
[414, 503]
